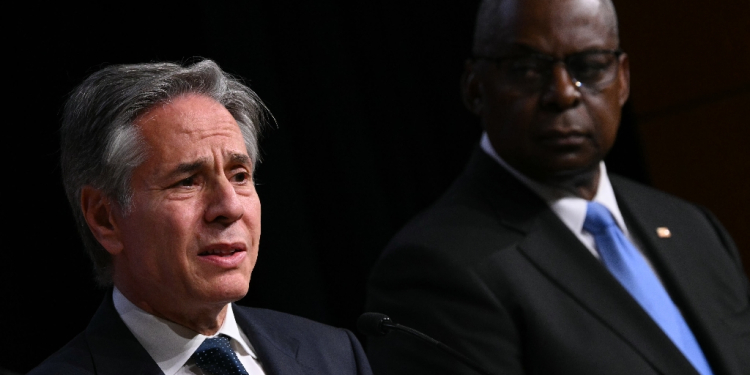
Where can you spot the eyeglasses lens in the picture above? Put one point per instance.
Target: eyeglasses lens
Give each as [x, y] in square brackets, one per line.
[594, 70]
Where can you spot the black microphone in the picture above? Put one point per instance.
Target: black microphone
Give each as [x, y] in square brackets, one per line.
[377, 324]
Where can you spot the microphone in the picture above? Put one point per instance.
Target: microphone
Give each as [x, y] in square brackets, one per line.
[377, 324]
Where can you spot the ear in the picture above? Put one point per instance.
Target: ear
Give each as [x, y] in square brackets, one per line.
[100, 214]
[471, 90]
[623, 76]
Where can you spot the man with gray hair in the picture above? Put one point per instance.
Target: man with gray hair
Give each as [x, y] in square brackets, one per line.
[157, 163]
[536, 260]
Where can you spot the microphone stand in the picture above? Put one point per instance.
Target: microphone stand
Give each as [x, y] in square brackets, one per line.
[383, 324]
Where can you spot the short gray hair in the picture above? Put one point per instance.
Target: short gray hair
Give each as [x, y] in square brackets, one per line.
[100, 146]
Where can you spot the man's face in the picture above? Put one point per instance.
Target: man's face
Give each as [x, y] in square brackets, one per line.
[190, 239]
[558, 131]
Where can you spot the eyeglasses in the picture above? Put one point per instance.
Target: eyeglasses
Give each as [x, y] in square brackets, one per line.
[592, 70]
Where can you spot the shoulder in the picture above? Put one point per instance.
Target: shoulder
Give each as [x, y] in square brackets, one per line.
[485, 212]
[73, 358]
[636, 192]
[275, 322]
[462, 228]
[308, 335]
[692, 225]
[485, 209]
[319, 347]
[645, 201]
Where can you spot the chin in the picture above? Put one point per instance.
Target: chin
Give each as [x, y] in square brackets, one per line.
[572, 163]
[228, 288]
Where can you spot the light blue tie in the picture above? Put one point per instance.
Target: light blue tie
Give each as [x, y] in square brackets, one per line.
[631, 270]
[216, 357]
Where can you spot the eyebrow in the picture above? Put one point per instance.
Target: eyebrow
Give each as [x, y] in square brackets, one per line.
[235, 158]
[523, 47]
[186, 168]
[520, 48]
[516, 48]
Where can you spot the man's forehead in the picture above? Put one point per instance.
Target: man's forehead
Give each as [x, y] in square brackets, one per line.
[192, 116]
[187, 107]
[189, 130]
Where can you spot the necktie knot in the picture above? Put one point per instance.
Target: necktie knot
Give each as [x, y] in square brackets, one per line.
[216, 357]
[598, 218]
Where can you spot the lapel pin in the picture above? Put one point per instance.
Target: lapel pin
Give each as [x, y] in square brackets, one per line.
[663, 232]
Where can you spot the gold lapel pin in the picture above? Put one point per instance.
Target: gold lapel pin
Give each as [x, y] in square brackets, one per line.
[663, 232]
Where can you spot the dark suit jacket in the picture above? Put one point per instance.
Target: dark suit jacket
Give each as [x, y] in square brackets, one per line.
[285, 344]
[491, 271]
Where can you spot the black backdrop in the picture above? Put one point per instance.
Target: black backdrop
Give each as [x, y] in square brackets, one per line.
[370, 131]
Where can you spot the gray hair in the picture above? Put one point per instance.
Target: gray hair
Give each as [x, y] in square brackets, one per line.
[100, 146]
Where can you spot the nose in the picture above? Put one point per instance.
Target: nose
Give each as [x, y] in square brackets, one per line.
[562, 92]
[223, 203]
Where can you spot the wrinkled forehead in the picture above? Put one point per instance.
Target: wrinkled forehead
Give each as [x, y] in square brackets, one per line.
[189, 124]
[188, 114]
[573, 24]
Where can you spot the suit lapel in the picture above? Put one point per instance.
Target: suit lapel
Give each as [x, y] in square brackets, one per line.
[560, 255]
[276, 352]
[114, 349]
[668, 254]
[563, 258]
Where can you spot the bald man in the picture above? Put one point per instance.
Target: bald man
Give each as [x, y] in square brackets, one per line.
[512, 267]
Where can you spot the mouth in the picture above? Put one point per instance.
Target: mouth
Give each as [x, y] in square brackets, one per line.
[563, 139]
[220, 252]
[224, 255]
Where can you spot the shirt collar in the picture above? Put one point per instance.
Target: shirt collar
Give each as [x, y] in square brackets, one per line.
[570, 208]
[170, 344]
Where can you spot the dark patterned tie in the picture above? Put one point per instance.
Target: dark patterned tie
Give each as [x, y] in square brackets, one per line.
[216, 357]
[630, 268]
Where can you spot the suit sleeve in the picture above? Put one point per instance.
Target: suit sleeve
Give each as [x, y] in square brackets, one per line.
[739, 323]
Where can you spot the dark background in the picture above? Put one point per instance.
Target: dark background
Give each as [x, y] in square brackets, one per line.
[370, 131]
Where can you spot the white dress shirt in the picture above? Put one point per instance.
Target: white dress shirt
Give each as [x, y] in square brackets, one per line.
[171, 345]
[570, 208]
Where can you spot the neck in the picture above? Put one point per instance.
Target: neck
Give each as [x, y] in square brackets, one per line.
[206, 320]
[581, 184]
